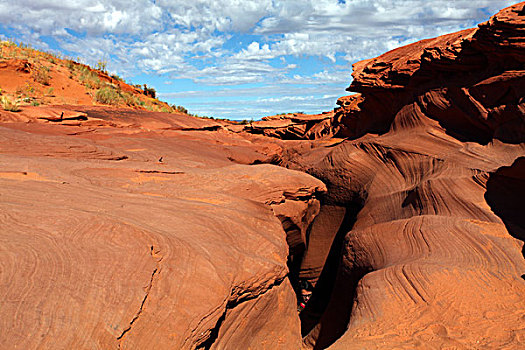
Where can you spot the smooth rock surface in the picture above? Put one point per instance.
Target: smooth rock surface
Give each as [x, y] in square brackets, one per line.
[125, 231]
[129, 229]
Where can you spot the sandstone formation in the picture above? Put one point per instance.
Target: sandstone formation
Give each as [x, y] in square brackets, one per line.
[128, 231]
[394, 222]
[296, 126]
[421, 234]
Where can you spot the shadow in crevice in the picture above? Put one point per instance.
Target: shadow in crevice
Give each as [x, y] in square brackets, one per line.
[315, 310]
[506, 197]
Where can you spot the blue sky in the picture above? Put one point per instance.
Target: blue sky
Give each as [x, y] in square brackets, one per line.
[237, 59]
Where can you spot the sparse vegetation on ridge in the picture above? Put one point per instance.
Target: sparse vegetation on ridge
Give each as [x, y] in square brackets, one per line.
[108, 95]
[104, 88]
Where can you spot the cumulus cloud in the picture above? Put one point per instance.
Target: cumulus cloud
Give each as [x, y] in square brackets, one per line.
[92, 17]
[256, 52]
[238, 42]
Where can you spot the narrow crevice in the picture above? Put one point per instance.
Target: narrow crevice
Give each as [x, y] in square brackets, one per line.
[137, 315]
[295, 257]
[146, 295]
[336, 318]
[505, 193]
[160, 172]
[214, 333]
[322, 293]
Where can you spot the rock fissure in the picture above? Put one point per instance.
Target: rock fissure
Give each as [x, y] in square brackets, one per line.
[230, 305]
[156, 271]
[327, 283]
[137, 314]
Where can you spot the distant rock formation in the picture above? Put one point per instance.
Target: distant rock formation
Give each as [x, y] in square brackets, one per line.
[295, 126]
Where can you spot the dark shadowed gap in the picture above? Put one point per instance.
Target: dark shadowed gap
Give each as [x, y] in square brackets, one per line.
[506, 197]
[295, 257]
[214, 334]
[324, 289]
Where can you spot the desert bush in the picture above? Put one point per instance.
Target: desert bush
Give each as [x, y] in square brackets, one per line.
[70, 65]
[29, 89]
[149, 91]
[41, 75]
[107, 95]
[102, 65]
[9, 105]
[116, 77]
[131, 100]
[151, 108]
[88, 78]
[180, 109]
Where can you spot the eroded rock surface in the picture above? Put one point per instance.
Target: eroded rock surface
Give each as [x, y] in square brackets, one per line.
[295, 126]
[137, 230]
[125, 231]
[428, 251]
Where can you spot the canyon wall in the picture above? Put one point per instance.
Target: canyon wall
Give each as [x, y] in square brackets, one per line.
[424, 245]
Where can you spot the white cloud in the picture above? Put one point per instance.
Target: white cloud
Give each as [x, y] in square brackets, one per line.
[93, 17]
[194, 40]
[256, 52]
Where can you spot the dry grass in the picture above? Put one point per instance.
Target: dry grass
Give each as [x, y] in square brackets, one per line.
[41, 75]
[108, 95]
[98, 87]
[89, 78]
[9, 105]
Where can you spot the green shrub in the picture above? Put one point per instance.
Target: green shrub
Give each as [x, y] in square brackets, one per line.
[151, 108]
[108, 95]
[116, 77]
[180, 109]
[41, 75]
[149, 91]
[131, 100]
[89, 78]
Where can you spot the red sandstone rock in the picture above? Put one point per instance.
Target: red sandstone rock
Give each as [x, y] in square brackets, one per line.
[106, 246]
[139, 230]
[295, 126]
[18, 65]
[428, 252]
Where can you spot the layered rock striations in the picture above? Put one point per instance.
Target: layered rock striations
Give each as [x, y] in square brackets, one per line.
[398, 223]
[425, 245]
[295, 126]
[132, 231]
